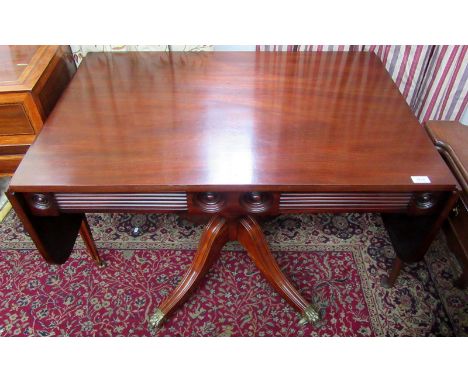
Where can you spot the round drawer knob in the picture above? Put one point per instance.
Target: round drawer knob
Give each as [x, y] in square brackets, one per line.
[41, 201]
[209, 197]
[256, 202]
[425, 201]
[210, 201]
[254, 197]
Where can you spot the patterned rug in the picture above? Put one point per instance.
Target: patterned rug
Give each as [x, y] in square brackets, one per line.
[336, 261]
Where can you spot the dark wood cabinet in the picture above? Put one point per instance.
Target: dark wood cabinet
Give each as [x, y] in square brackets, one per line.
[32, 78]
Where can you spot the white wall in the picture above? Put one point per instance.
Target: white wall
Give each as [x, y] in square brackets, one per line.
[234, 48]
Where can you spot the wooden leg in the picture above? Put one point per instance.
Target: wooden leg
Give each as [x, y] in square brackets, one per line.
[389, 281]
[85, 232]
[213, 238]
[412, 236]
[217, 233]
[252, 239]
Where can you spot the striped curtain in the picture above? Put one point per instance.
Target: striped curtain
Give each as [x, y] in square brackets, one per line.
[433, 79]
[444, 90]
[308, 48]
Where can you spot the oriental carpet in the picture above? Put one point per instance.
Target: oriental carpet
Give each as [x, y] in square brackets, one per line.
[336, 261]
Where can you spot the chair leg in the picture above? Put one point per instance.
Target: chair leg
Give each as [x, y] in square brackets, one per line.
[87, 237]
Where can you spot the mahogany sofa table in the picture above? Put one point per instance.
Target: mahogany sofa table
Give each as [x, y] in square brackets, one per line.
[232, 136]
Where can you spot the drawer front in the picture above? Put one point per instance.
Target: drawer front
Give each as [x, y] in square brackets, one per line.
[49, 204]
[237, 203]
[419, 203]
[155, 202]
[13, 120]
[9, 164]
[317, 202]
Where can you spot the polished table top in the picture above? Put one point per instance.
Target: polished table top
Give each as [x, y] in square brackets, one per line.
[290, 121]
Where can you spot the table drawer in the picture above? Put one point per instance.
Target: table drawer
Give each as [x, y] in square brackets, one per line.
[344, 201]
[13, 120]
[236, 203]
[9, 163]
[52, 204]
[418, 203]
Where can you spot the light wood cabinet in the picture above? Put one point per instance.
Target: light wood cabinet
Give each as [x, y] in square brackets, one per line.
[32, 78]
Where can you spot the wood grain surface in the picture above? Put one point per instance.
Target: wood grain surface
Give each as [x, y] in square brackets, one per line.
[226, 121]
[14, 59]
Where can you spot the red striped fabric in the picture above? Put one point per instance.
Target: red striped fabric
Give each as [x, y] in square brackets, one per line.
[450, 86]
[433, 79]
[444, 91]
